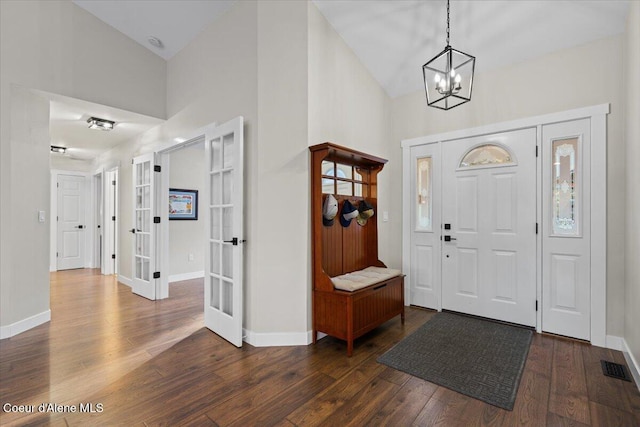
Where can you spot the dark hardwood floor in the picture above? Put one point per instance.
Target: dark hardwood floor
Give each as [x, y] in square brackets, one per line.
[153, 363]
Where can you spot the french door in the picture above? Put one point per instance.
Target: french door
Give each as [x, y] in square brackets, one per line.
[489, 226]
[144, 250]
[223, 301]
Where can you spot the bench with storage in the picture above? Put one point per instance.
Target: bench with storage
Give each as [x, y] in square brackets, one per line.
[353, 291]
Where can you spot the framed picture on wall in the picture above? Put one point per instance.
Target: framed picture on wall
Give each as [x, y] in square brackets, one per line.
[183, 204]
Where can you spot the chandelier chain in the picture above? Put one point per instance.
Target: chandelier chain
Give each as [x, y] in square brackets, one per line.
[447, 22]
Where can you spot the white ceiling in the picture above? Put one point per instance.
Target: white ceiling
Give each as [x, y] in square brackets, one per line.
[392, 38]
[68, 127]
[174, 22]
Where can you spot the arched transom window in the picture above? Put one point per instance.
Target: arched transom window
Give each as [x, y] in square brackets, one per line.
[487, 155]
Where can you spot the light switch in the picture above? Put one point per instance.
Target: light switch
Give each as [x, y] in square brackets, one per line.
[40, 216]
[385, 216]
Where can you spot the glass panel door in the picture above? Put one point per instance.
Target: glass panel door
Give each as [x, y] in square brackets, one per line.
[223, 278]
[143, 250]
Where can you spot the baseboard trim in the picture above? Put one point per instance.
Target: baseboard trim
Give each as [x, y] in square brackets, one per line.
[24, 324]
[634, 367]
[186, 276]
[277, 339]
[614, 343]
[125, 280]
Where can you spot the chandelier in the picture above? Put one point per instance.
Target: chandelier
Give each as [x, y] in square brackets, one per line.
[448, 77]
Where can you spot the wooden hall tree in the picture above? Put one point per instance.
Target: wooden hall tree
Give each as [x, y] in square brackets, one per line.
[337, 250]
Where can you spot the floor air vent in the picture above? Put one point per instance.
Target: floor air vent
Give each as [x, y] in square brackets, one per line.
[615, 370]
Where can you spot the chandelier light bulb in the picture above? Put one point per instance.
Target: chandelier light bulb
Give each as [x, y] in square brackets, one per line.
[453, 72]
[458, 79]
[437, 78]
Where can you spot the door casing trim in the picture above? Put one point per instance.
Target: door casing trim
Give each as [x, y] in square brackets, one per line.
[598, 126]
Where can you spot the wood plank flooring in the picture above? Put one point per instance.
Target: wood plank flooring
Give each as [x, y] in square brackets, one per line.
[153, 363]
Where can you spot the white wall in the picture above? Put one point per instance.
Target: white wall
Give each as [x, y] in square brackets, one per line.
[186, 171]
[213, 79]
[47, 45]
[348, 107]
[65, 163]
[24, 290]
[632, 227]
[279, 276]
[281, 66]
[556, 82]
[238, 66]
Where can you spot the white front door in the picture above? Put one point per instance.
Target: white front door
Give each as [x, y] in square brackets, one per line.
[424, 277]
[144, 252]
[566, 284]
[223, 300]
[71, 222]
[489, 226]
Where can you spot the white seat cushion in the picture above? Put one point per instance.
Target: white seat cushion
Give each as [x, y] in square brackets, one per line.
[363, 278]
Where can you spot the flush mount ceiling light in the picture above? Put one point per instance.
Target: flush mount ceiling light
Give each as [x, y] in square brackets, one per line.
[102, 124]
[58, 149]
[448, 77]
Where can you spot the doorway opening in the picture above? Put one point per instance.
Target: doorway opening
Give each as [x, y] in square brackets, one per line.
[221, 205]
[183, 173]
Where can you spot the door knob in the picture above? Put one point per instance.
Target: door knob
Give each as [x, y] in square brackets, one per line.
[449, 238]
[234, 241]
[133, 230]
[80, 226]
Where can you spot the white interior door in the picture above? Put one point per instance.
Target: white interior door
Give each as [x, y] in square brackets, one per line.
[109, 228]
[223, 300]
[144, 280]
[99, 216]
[489, 215]
[424, 277]
[71, 222]
[566, 284]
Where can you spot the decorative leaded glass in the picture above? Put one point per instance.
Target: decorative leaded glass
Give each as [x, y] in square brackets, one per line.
[488, 154]
[424, 199]
[565, 189]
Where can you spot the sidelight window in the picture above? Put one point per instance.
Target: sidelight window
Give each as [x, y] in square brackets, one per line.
[424, 194]
[566, 189]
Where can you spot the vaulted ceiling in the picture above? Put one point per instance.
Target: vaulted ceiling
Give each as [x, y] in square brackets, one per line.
[392, 38]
